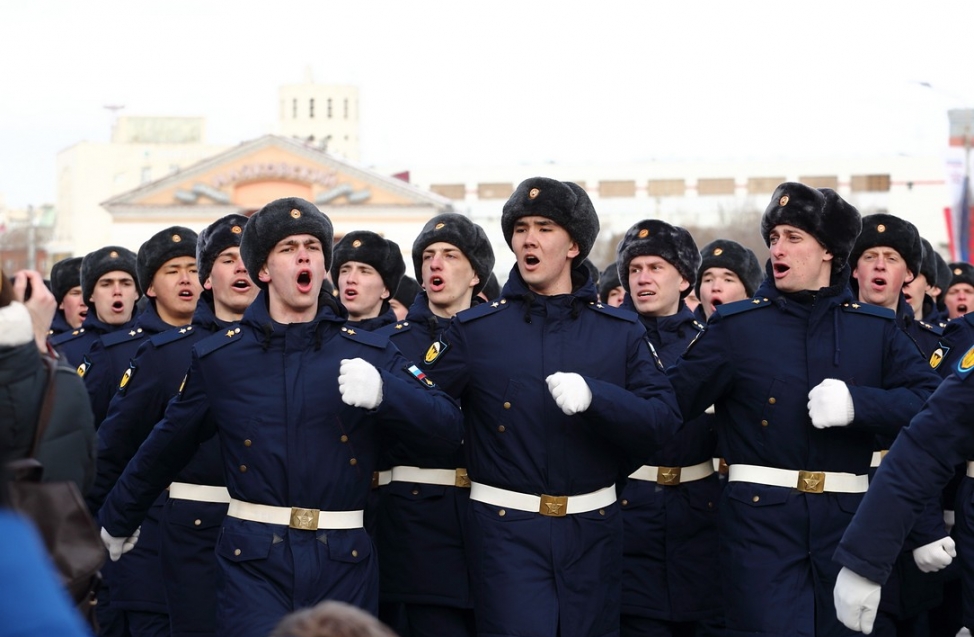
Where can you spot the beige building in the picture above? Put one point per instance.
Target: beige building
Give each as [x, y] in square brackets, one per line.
[326, 115]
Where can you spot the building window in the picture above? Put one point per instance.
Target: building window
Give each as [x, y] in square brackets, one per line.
[294, 108]
[820, 181]
[345, 107]
[494, 191]
[666, 188]
[311, 108]
[329, 108]
[451, 191]
[870, 183]
[763, 185]
[715, 186]
[617, 189]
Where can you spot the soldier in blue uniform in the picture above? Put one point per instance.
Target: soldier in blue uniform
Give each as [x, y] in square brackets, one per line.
[669, 504]
[558, 390]
[166, 266]
[403, 299]
[422, 563]
[728, 272]
[110, 289]
[803, 378]
[66, 287]
[298, 447]
[366, 272]
[917, 291]
[197, 502]
[958, 296]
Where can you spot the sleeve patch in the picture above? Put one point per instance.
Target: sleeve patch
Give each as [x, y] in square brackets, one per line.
[84, 366]
[420, 376]
[126, 378]
[966, 363]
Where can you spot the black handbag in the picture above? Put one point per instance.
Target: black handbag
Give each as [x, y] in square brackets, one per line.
[60, 514]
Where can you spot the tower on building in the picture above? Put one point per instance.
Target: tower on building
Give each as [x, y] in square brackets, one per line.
[325, 115]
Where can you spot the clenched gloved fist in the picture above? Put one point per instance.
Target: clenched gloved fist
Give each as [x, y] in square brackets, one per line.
[856, 600]
[359, 383]
[830, 404]
[935, 556]
[117, 546]
[570, 391]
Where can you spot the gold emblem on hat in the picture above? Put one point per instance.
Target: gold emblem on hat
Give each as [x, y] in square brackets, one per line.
[718, 252]
[236, 229]
[176, 238]
[295, 213]
[438, 226]
[534, 192]
[643, 233]
[356, 244]
[783, 201]
[113, 254]
[958, 271]
[880, 228]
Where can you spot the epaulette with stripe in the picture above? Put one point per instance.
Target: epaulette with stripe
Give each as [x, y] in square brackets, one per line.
[170, 336]
[210, 344]
[399, 327]
[872, 310]
[121, 336]
[730, 309]
[936, 329]
[614, 312]
[484, 309]
[365, 337]
[64, 337]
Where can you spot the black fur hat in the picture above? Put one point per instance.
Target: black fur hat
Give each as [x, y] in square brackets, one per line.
[928, 265]
[652, 237]
[408, 289]
[278, 220]
[564, 202]
[366, 246]
[724, 253]
[818, 211]
[960, 273]
[102, 261]
[608, 281]
[892, 232]
[65, 274]
[174, 241]
[223, 233]
[463, 233]
[944, 273]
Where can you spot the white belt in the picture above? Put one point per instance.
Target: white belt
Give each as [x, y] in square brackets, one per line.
[199, 492]
[296, 517]
[877, 458]
[381, 478]
[970, 468]
[672, 476]
[804, 481]
[444, 477]
[549, 505]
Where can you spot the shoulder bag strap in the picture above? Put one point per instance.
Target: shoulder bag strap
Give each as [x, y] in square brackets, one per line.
[47, 406]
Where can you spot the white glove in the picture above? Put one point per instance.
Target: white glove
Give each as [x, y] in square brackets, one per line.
[856, 600]
[935, 556]
[117, 546]
[570, 391]
[949, 519]
[359, 383]
[830, 404]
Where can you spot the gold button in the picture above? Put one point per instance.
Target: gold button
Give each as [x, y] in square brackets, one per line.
[236, 551]
[344, 438]
[353, 462]
[247, 443]
[764, 423]
[772, 400]
[198, 522]
[354, 553]
[415, 491]
[502, 513]
[601, 511]
[625, 503]
[507, 405]
[501, 429]
[243, 468]
[710, 505]
[756, 498]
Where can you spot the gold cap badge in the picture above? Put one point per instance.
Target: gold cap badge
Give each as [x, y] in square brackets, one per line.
[643, 233]
[236, 229]
[534, 192]
[295, 213]
[357, 243]
[783, 201]
[958, 271]
[880, 228]
[176, 238]
[113, 254]
[438, 226]
[718, 252]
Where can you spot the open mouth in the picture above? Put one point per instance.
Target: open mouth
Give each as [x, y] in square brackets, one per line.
[304, 281]
[186, 294]
[436, 283]
[531, 260]
[780, 268]
[83, 313]
[962, 308]
[646, 294]
[118, 306]
[716, 302]
[879, 282]
[241, 285]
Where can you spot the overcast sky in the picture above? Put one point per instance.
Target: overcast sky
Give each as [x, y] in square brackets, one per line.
[494, 82]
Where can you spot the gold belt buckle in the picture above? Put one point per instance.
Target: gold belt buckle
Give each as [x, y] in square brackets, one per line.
[722, 467]
[555, 506]
[375, 479]
[668, 476]
[811, 481]
[304, 519]
[462, 479]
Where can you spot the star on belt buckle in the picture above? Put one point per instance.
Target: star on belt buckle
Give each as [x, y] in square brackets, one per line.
[462, 479]
[304, 519]
[811, 482]
[554, 506]
[668, 476]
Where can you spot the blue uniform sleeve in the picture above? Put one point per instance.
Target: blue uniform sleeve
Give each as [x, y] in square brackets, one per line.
[919, 464]
[703, 373]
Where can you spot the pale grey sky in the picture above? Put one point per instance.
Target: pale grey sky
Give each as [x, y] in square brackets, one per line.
[493, 82]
